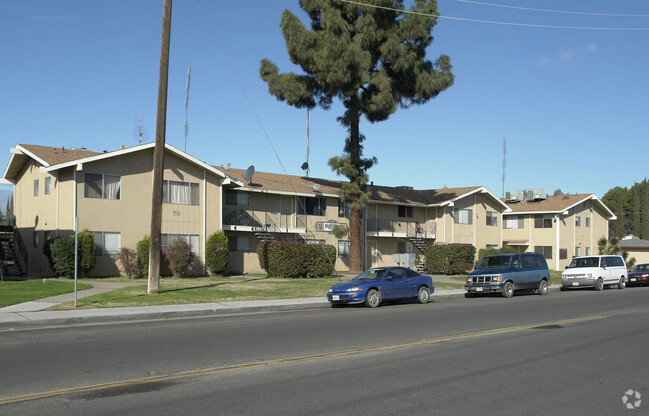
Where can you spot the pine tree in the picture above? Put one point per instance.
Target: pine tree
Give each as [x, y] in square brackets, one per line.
[371, 58]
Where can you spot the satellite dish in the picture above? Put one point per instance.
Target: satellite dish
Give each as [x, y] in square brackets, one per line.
[249, 172]
[316, 187]
[305, 166]
[227, 166]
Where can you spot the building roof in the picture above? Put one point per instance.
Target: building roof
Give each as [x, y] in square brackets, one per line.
[54, 158]
[633, 242]
[556, 204]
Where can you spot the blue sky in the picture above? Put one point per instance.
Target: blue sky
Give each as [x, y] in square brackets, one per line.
[572, 103]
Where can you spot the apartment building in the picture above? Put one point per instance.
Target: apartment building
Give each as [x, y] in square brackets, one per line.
[110, 195]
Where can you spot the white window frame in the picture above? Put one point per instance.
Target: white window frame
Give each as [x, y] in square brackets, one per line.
[343, 248]
[100, 241]
[492, 219]
[463, 216]
[188, 196]
[105, 193]
[513, 222]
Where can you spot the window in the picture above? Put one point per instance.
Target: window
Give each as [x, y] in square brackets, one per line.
[314, 241]
[513, 221]
[237, 198]
[541, 221]
[102, 186]
[404, 211]
[545, 250]
[577, 251]
[577, 221]
[401, 247]
[492, 219]
[35, 187]
[587, 221]
[491, 246]
[236, 243]
[108, 243]
[192, 239]
[463, 216]
[181, 193]
[343, 248]
[311, 206]
[343, 210]
[588, 251]
[48, 185]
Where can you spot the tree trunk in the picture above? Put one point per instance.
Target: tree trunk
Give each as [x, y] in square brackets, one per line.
[355, 261]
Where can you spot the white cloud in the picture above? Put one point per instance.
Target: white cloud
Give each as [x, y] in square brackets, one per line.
[565, 56]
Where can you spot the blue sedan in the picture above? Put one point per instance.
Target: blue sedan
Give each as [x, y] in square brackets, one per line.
[382, 283]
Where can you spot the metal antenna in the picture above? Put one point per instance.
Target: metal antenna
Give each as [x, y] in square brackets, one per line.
[307, 142]
[504, 158]
[189, 73]
[139, 128]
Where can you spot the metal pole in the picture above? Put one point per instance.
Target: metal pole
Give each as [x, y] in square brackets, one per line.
[158, 154]
[76, 256]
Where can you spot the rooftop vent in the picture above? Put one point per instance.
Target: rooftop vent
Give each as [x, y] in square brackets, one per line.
[514, 196]
[536, 194]
[409, 188]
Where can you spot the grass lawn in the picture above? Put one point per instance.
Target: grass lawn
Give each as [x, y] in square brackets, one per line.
[180, 291]
[13, 292]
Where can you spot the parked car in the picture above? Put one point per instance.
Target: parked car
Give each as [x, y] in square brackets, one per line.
[378, 284]
[506, 273]
[639, 275]
[595, 272]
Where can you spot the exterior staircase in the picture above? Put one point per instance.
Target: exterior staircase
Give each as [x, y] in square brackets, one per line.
[10, 253]
[420, 244]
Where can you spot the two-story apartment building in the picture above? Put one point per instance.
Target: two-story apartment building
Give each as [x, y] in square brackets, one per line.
[558, 226]
[110, 195]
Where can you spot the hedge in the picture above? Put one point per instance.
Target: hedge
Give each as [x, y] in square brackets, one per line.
[294, 259]
[450, 258]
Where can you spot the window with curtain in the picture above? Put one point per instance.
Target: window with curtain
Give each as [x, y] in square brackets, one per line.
[463, 216]
[513, 221]
[108, 243]
[102, 186]
[182, 193]
[492, 218]
[192, 239]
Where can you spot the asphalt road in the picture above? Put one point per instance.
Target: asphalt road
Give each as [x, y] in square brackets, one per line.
[573, 353]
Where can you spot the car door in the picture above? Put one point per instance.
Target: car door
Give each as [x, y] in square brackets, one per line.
[532, 272]
[395, 284]
[516, 272]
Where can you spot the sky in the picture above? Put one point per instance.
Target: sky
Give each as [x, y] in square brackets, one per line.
[567, 92]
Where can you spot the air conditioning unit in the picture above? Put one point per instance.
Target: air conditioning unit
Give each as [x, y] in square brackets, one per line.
[514, 196]
[537, 194]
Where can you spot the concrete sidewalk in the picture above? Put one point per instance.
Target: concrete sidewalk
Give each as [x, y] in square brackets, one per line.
[33, 314]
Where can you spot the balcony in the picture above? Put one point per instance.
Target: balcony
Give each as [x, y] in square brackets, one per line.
[256, 221]
[400, 228]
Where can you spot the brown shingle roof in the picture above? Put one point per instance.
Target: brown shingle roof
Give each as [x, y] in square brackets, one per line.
[56, 155]
[554, 203]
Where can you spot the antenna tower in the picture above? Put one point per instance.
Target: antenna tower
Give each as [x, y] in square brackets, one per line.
[140, 133]
[504, 158]
[307, 142]
[189, 73]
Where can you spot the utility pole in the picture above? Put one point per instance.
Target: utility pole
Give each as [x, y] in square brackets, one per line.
[158, 154]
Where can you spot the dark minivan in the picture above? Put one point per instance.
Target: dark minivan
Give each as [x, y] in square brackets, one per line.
[506, 273]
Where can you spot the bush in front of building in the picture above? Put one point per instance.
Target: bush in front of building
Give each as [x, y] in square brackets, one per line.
[87, 251]
[294, 259]
[449, 258]
[61, 253]
[142, 250]
[179, 256]
[128, 258]
[216, 252]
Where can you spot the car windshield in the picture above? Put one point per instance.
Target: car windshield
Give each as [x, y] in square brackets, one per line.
[499, 262]
[641, 268]
[372, 274]
[584, 262]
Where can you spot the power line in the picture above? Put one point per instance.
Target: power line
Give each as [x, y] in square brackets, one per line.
[494, 22]
[553, 11]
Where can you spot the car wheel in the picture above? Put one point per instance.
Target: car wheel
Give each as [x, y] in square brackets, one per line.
[508, 290]
[423, 295]
[543, 288]
[373, 298]
[599, 284]
[621, 283]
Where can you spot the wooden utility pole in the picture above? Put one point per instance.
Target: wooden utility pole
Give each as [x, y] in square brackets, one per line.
[158, 154]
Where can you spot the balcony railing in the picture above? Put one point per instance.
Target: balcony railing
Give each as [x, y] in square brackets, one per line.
[271, 222]
[401, 227]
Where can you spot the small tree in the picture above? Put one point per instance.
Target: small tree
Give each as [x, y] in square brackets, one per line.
[216, 252]
[611, 247]
[87, 251]
[62, 251]
[128, 258]
[179, 255]
[142, 249]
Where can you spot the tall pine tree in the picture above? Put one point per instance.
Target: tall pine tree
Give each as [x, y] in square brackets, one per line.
[372, 58]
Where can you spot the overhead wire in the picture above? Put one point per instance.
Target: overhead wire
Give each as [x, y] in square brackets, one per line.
[494, 22]
[552, 11]
[261, 124]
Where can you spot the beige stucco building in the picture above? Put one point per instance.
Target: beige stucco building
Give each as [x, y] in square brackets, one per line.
[110, 194]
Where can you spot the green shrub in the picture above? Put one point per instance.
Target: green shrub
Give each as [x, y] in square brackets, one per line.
[142, 249]
[294, 259]
[483, 252]
[62, 250]
[216, 252]
[449, 258]
[47, 250]
[128, 258]
[87, 251]
[179, 256]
